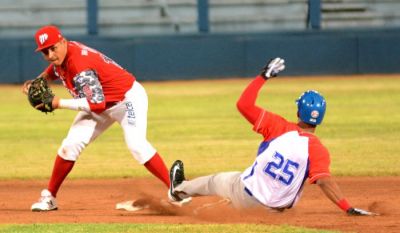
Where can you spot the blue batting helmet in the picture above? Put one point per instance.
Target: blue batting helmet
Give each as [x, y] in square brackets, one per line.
[311, 107]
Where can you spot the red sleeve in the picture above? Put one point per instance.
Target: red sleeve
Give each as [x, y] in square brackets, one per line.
[97, 108]
[319, 160]
[50, 71]
[83, 63]
[271, 125]
[246, 103]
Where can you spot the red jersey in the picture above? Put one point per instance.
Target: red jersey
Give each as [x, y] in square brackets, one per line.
[112, 78]
[271, 126]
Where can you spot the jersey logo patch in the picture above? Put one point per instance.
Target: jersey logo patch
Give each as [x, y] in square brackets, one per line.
[88, 92]
[84, 52]
[87, 85]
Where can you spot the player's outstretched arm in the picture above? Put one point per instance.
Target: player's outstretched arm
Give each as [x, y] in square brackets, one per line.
[246, 103]
[333, 192]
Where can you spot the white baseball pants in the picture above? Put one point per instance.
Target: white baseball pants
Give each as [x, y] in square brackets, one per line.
[131, 114]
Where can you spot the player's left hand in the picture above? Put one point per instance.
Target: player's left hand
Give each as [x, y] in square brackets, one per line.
[360, 212]
[25, 87]
[273, 67]
[40, 95]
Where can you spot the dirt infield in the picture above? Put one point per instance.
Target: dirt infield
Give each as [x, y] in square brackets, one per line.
[93, 201]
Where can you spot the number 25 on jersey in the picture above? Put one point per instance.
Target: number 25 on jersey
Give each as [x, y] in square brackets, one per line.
[282, 169]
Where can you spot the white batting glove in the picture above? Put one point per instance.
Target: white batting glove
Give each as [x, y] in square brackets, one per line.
[360, 212]
[273, 67]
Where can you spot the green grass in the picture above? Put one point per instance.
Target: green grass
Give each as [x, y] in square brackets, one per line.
[171, 228]
[198, 123]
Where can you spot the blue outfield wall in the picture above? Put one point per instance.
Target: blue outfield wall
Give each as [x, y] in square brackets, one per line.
[225, 55]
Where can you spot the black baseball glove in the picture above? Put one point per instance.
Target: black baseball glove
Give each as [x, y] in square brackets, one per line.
[40, 95]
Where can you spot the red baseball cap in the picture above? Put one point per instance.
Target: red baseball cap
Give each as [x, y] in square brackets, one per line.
[47, 36]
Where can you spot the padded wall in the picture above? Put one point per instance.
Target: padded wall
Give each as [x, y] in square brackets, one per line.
[225, 55]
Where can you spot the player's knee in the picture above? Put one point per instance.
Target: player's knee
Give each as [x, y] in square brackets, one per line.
[71, 151]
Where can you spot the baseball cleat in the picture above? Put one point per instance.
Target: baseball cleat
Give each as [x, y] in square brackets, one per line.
[177, 176]
[182, 202]
[46, 202]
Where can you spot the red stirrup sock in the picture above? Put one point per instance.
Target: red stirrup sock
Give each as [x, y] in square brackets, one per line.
[157, 167]
[61, 169]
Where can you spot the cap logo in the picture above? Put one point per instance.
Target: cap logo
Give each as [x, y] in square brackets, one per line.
[42, 38]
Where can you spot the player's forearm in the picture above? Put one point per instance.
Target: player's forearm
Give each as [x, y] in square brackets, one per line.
[246, 103]
[333, 192]
[72, 104]
[330, 189]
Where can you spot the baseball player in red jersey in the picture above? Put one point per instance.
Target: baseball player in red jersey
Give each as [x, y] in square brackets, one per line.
[288, 155]
[103, 93]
